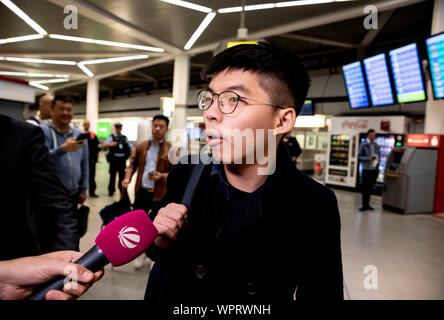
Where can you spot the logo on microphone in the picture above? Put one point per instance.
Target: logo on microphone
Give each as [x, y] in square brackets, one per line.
[129, 237]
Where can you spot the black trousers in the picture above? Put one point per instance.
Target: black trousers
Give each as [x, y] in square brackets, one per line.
[144, 200]
[92, 177]
[369, 177]
[116, 166]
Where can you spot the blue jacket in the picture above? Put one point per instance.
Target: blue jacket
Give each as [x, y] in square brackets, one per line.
[365, 153]
[72, 167]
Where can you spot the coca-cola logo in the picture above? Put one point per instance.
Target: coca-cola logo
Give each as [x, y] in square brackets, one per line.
[357, 124]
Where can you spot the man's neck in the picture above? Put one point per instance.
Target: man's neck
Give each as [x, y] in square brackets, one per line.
[64, 128]
[244, 177]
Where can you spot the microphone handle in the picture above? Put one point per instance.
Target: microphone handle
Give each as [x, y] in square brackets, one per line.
[93, 260]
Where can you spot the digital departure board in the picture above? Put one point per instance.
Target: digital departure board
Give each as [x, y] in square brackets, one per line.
[435, 49]
[407, 74]
[378, 79]
[355, 84]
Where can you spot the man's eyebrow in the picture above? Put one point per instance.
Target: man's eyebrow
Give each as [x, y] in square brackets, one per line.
[238, 87]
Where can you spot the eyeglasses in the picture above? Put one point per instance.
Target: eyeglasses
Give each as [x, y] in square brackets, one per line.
[227, 101]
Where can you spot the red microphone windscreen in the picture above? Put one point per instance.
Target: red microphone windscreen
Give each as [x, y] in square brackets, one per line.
[125, 238]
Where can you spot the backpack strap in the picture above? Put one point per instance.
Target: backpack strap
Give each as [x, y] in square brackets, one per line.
[54, 138]
[195, 175]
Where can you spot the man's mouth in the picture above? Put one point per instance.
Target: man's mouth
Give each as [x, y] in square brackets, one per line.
[213, 138]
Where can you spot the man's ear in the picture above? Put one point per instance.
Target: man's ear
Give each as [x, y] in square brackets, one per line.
[285, 121]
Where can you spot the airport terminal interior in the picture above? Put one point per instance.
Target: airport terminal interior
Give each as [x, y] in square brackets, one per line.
[377, 84]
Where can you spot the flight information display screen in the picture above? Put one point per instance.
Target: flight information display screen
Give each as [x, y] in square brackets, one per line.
[435, 49]
[355, 84]
[407, 74]
[307, 108]
[378, 79]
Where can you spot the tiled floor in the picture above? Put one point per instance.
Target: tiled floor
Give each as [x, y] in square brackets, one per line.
[406, 252]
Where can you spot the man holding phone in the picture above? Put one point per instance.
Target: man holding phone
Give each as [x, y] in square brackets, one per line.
[68, 150]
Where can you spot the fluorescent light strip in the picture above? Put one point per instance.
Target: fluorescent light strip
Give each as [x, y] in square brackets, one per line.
[85, 69]
[106, 43]
[24, 17]
[38, 85]
[144, 56]
[189, 5]
[22, 38]
[31, 75]
[230, 10]
[259, 6]
[277, 5]
[70, 63]
[199, 30]
[51, 81]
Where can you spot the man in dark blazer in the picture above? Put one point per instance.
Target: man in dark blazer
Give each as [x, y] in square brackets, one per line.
[255, 231]
[36, 211]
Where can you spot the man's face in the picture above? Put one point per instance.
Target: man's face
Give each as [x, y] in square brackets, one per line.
[63, 112]
[86, 125]
[372, 136]
[45, 107]
[159, 129]
[248, 117]
[118, 130]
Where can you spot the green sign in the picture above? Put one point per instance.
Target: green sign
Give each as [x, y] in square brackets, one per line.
[103, 129]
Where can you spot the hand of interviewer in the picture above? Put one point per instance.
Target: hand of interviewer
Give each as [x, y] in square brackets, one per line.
[19, 277]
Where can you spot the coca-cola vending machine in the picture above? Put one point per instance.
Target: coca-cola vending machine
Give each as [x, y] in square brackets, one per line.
[345, 136]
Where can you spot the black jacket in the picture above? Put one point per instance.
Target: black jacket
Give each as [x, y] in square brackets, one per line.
[288, 240]
[35, 209]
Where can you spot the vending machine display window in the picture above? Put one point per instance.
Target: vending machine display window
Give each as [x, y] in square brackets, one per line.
[339, 150]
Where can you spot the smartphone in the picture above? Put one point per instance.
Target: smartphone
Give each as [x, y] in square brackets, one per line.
[151, 173]
[83, 136]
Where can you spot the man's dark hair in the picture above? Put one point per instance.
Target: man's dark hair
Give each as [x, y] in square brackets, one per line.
[281, 73]
[69, 99]
[162, 117]
[57, 98]
[370, 131]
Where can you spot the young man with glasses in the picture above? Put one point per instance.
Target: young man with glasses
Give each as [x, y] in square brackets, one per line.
[249, 235]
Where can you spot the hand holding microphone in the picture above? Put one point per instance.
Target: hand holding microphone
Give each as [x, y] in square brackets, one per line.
[120, 242]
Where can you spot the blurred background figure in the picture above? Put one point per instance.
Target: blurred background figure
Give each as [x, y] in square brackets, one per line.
[119, 151]
[93, 148]
[44, 112]
[151, 162]
[70, 154]
[369, 155]
[37, 215]
[292, 146]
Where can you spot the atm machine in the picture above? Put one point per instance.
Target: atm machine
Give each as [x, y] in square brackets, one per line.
[409, 184]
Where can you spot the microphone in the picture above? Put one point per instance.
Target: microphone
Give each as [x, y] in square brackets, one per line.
[120, 242]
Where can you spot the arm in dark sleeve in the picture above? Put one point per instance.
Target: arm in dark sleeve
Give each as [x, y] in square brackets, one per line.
[56, 221]
[361, 155]
[322, 277]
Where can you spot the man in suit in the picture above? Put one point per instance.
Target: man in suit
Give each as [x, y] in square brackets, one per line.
[37, 215]
[251, 233]
[369, 156]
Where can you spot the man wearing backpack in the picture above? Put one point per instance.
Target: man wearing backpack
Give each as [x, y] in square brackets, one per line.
[119, 151]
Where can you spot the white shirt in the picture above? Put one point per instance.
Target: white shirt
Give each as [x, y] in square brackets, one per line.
[150, 164]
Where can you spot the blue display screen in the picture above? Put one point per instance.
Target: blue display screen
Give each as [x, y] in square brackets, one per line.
[435, 49]
[378, 80]
[355, 83]
[407, 74]
[307, 109]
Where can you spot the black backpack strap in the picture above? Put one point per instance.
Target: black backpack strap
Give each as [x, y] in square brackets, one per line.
[193, 180]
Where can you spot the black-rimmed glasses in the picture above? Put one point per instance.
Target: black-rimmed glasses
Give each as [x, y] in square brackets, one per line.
[227, 101]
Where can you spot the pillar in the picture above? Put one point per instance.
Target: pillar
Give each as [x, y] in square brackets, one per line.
[92, 103]
[181, 84]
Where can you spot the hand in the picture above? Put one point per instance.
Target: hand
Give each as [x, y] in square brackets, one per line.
[155, 176]
[125, 183]
[169, 221]
[82, 198]
[19, 277]
[71, 145]
[372, 158]
[113, 144]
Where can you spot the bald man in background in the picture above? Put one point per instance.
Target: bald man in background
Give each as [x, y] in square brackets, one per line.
[93, 146]
[45, 110]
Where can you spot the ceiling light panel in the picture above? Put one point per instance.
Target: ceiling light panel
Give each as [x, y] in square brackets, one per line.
[189, 5]
[24, 17]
